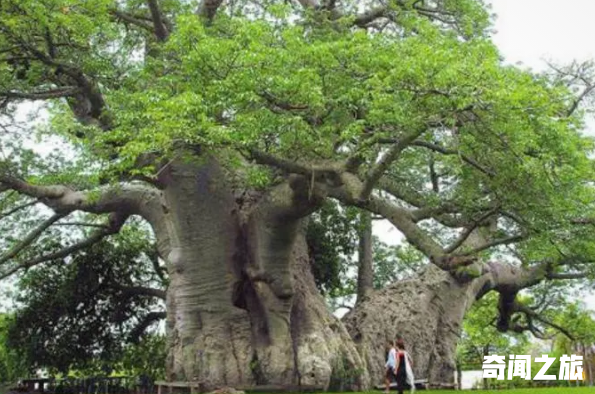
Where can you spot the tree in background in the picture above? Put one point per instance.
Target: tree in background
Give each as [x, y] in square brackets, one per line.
[12, 364]
[224, 125]
[80, 312]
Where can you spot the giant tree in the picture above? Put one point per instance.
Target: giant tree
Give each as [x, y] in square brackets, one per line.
[225, 125]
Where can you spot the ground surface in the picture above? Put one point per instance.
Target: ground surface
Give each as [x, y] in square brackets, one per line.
[556, 390]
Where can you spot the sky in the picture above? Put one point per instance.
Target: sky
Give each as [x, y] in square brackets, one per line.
[530, 31]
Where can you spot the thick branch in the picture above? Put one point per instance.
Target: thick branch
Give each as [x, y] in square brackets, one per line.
[142, 326]
[66, 91]
[82, 224]
[161, 31]
[141, 291]
[309, 4]
[469, 230]
[89, 105]
[401, 218]
[133, 20]
[494, 243]
[567, 276]
[131, 198]
[391, 156]
[294, 167]
[518, 307]
[367, 17]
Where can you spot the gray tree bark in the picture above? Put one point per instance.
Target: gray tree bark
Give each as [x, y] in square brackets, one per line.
[242, 305]
[243, 308]
[426, 311]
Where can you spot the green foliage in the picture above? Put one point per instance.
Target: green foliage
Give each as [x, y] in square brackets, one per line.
[77, 311]
[395, 262]
[145, 357]
[332, 238]
[12, 364]
[480, 336]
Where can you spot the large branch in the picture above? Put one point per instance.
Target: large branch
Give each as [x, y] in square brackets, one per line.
[469, 230]
[389, 158]
[30, 238]
[64, 91]
[369, 16]
[309, 169]
[89, 105]
[133, 20]
[161, 31]
[387, 11]
[350, 192]
[496, 242]
[131, 198]
[115, 224]
[146, 321]
[141, 291]
[530, 314]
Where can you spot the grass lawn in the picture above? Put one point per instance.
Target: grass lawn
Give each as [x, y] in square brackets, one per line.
[555, 390]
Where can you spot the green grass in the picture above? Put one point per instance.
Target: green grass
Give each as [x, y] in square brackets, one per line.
[553, 390]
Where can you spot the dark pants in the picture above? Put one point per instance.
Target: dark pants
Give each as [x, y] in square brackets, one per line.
[401, 379]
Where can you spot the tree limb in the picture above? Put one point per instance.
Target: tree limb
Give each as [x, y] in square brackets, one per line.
[82, 224]
[450, 152]
[494, 243]
[389, 157]
[294, 167]
[469, 230]
[567, 276]
[31, 237]
[369, 16]
[141, 291]
[131, 198]
[518, 307]
[142, 326]
[133, 20]
[115, 223]
[18, 208]
[161, 31]
[65, 91]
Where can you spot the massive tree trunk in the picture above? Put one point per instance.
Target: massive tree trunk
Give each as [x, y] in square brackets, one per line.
[426, 311]
[242, 306]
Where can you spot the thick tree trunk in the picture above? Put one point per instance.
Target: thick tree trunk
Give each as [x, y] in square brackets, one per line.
[243, 308]
[427, 312]
[242, 305]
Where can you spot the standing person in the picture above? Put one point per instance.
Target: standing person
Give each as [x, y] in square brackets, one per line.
[391, 366]
[403, 368]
